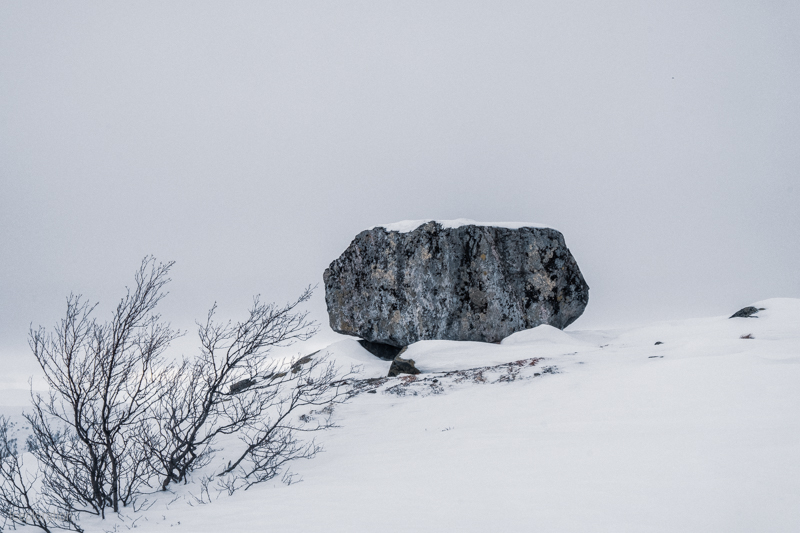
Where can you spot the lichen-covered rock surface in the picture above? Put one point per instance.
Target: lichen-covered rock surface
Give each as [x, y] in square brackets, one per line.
[470, 282]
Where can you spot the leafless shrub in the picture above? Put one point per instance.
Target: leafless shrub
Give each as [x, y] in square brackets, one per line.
[121, 421]
[19, 504]
[103, 380]
[233, 387]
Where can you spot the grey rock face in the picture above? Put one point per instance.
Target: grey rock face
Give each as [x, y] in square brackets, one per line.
[476, 283]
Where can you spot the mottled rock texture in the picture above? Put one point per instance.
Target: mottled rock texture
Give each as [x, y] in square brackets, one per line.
[470, 283]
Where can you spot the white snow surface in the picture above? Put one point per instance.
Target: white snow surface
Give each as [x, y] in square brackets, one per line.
[406, 226]
[698, 434]
[446, 356]
[349, 353]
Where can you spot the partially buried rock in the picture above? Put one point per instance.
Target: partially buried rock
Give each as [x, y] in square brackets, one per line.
[242, 385]
[746, 312]
[402, 366]
[453, 280]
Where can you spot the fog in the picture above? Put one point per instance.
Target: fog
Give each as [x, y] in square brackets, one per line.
[251, 141]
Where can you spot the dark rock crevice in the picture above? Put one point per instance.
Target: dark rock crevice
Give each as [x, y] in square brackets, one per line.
[383, 351]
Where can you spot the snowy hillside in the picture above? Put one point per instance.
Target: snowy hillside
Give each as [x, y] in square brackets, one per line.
[595, 431]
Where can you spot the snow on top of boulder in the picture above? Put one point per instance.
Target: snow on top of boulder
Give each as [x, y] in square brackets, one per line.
[406, 226]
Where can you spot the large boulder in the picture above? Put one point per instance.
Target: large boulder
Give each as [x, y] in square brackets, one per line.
[454, 280]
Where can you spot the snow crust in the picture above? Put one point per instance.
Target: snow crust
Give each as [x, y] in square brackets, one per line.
[698, 434]
[406, 226]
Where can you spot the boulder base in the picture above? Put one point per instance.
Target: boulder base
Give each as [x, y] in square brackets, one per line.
[386, 352]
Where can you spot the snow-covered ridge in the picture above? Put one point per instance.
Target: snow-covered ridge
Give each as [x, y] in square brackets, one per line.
[777, 324]
[406, 226]
[662, 427]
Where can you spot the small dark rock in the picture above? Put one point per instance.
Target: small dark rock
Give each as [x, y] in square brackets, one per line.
[659, 342]
[300, 362]
[387, 352]
[746, 312]
[402, 366]
[372, 392]
[239, 386]
[537, 374]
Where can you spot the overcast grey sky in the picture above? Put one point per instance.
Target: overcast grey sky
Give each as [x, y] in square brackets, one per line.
[250, 141]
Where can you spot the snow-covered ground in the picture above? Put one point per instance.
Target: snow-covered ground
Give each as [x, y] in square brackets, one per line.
[606, 432]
